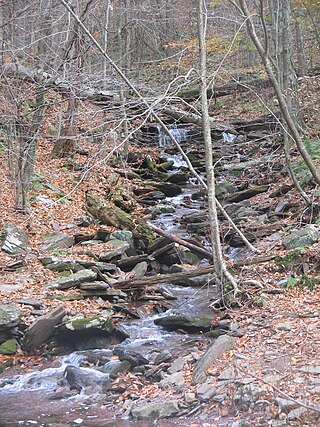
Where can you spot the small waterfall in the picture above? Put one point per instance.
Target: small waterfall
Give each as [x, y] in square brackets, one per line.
[178, 132]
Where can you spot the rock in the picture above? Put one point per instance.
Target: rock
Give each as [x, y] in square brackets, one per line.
[74, 265]
[59, 265]
[9, 317]
[57, 242]
[119, 368]
[85, 333]
[247, 194]
[206, 391]
[154, 411]
[139, 270]
[222, 344]
[165, 166]
[15, 241]
[198, 281]
[285, 404]
[73, 280]
[306, 236]
[169, 189]
[285, 326]
[190, 397]
[107, 213]
[42, 329]
[177, 365]
[224, 189]
[186, 322]
[132, 356]
[124, 235]
[178, 178]
[9, 347]
[248, 394]
[314, 370]
[9, 288]
[79, 378]
[174, 381]
[296, 413]
[228, 375]
[161, 209]
[118, 247]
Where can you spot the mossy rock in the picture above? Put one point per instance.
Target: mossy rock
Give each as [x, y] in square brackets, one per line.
[166, 166]
[185, 322]
[9, 347]
[107, 213]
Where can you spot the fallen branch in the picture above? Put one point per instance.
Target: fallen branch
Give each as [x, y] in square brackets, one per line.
[194, 248]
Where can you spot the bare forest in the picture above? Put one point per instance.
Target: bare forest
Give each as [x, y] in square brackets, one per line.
[159, 227]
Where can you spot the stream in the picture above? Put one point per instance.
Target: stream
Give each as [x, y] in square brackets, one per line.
[42, 397]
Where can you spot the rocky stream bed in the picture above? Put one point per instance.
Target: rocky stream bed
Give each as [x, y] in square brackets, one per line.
[148, 354]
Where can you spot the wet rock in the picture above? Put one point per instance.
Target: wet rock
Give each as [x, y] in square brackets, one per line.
[118, 247]
[79, 378]
[222, 344]
[154, 411]
[186, 322]
[9, 347]
[132, 356]
[15, 241]
[57, 241]
[178, 178]
[206, 391]
[169, 189]
[121, 368]
[306, 236]
[83, 333]
[161, 209]
[174, 381]
[73, 280]
[198, 281]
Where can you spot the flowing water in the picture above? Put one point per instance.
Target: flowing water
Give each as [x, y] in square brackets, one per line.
[41, 397]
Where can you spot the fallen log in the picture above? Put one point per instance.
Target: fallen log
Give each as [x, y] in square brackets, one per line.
[187, 117]
[162, 278]
[196, 249]
[238, 86]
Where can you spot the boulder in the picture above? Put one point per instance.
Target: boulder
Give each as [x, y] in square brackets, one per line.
[57, 241]
[73, 280]
[9, 347]
[186, 322]
[154, 411]
[9, 316]
[107, 213]
[174, 381]
[178, 178]
[170, 189]
[306, 236]
[132, 356]
[80, 378]
[83, 333]
[15, 241]
[42, 329]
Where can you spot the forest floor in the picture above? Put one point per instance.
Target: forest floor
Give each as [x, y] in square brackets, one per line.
[280, 348]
